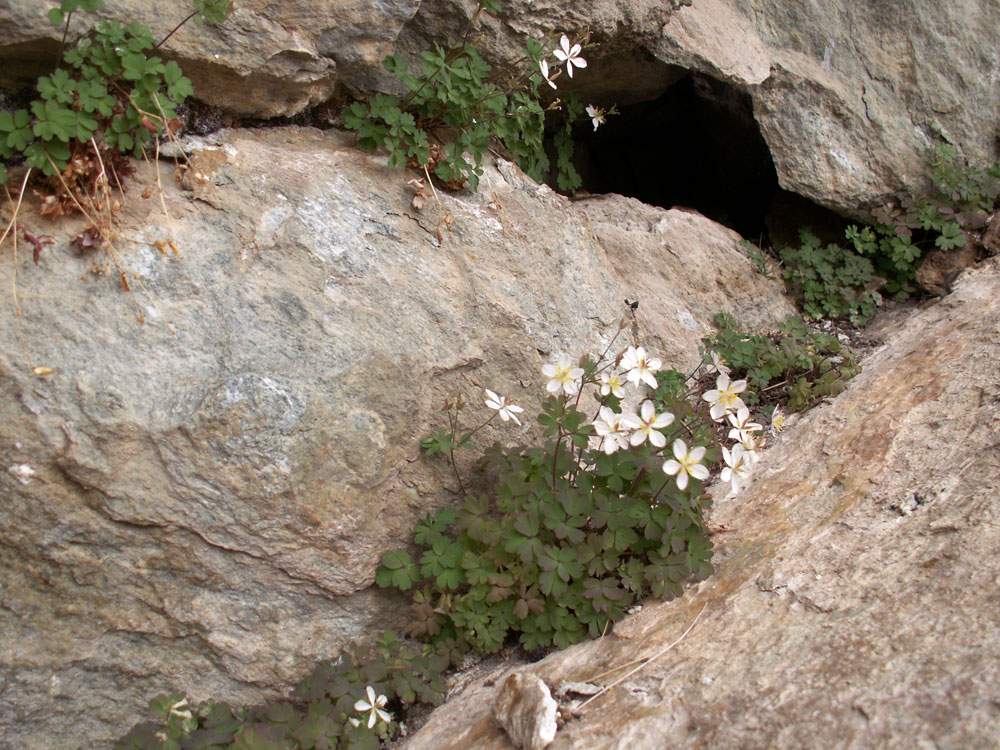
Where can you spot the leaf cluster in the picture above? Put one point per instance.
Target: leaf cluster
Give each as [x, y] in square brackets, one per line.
[839, 281]
[566, 541]
[454, 105]
[109, 87]
[318, 714]
[795, 366]
[830, 281]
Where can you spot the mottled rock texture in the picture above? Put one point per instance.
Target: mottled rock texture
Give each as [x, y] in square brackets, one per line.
[213, 489]
[857, 585]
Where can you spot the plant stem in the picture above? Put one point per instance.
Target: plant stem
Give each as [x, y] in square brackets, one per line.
[62, 42]
[175, 29]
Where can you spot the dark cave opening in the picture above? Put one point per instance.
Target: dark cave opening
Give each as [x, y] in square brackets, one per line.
[696, 146]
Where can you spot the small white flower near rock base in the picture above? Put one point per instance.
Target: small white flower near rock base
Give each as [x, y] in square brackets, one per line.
[525, 710]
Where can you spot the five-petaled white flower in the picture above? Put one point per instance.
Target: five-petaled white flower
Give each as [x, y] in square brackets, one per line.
[686, 464]
[507, 410]
[716, 365]
[544, 67]
[743, 429]
[570, 55]
[778, 420]
[647, 424]
[375, 704]
[640, 366]
[563, 376]
[737, 466]
[724, 398]
[596, 115]
[612, 383]
[612, 430]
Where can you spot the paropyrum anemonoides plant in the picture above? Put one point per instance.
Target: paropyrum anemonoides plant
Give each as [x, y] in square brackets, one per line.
[458, 102]
[608, 509]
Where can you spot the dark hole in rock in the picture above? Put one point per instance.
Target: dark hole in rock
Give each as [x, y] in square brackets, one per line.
[696, 146]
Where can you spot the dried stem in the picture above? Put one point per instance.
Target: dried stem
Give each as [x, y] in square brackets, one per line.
[642, 663]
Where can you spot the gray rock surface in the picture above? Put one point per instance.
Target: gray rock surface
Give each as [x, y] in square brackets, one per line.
[857, 93]
[857, 585]
[200, 502]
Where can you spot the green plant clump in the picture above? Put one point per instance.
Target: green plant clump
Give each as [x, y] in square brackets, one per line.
[457, 103]
[795, 367]
[830, 281]
[346, 704]
[108, 87]
[841, 280]
[576, 529]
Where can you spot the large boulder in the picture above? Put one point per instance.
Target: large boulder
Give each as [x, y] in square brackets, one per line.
[199, 502]
[854, 603]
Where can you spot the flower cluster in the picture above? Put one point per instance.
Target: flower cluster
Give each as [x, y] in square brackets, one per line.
[570, 55]
[623, 429]
[726, 404]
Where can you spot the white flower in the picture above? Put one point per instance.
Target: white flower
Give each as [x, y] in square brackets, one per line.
[647, 424]
[562, 375]
[778, 420]
[596, 115]
[686, 464]
[611, 429]
[716, 366]
[753, 444]
[544, 67]
[640, 366]
[724, 399]
[612, 383]
[570, 55]
[375, 705]
[507, 410]
[737, 466]
[743, 428]
[180, 709]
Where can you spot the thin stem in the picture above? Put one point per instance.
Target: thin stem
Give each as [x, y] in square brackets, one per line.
[643, 662]
[17, 208]
[657, 495]
[62, 43]
[175, 29]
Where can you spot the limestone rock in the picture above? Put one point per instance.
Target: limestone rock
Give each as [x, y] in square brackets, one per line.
[199, 503]
[267, 60]
[525, 710]
[854, 599]
[850, 97]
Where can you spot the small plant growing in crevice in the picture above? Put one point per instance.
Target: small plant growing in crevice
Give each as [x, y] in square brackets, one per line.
[458, 103]
[795, 367]
[350, 703]
[843, 280]
[608, 509]
[112, 91]
[109, 96]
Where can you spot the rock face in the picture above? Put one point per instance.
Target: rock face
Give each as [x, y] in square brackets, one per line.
[267, 60]
[849, 97]
[854, 603]
[200, 502]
